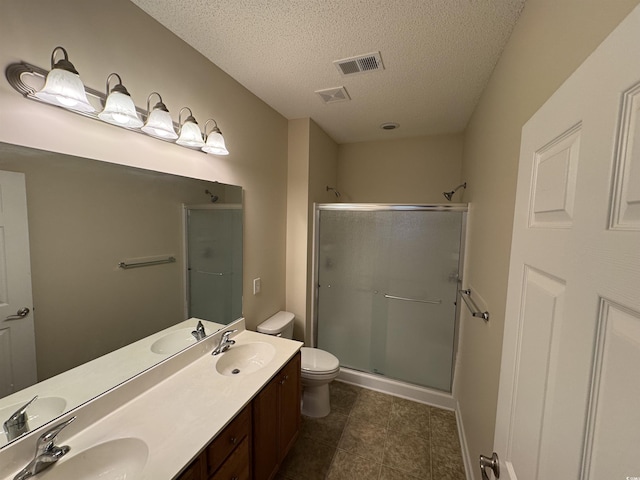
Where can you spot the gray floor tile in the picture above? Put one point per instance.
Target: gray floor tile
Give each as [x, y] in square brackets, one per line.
[387, 473]
[342, 396]
[373, 407]
[352, 467]
[446, 463]
[444, 428]
[308, 460]
[327, 430]
[410, 454]
[363, 439]
[378, 437]
[409, 417]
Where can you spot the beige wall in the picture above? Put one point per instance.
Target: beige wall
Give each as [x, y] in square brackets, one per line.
[297, 221]
[149, 58]
[410, 170]
[313, 159]
[549, 42]
[323, 167]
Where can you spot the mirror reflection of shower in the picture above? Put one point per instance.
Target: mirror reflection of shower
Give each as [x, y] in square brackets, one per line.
[214, 198]
[213, 241]
[449, 195]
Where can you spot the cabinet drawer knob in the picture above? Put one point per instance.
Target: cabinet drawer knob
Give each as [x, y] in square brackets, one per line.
[235, 477]
[234, 440]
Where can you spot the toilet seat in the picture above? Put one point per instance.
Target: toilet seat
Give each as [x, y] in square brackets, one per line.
[318, 362]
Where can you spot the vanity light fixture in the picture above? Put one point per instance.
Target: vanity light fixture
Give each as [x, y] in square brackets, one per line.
[215, 141]
[159, 123]
[190, 134]
[119, 109]
[63, 86]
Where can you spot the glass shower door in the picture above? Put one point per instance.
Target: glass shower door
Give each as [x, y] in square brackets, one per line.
[388, 286]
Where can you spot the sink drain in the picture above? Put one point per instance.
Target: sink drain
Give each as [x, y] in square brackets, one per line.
[235, 371]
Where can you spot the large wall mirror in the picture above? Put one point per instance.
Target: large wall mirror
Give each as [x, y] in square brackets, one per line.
[85, 218]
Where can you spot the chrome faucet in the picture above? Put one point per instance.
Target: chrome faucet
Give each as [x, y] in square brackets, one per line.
[225, 343]
[199, 332]
[47, 453]
[18, 423]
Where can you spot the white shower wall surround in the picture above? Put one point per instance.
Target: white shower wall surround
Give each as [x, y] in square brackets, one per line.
[387, 278]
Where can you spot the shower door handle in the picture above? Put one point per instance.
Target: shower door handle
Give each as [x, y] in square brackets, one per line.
[405, 299]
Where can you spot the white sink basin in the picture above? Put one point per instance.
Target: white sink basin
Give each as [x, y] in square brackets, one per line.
[174, 342]
[43, 410]
[245, 358]
[119, 459]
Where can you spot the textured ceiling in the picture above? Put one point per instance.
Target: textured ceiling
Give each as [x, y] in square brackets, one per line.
[438, 56]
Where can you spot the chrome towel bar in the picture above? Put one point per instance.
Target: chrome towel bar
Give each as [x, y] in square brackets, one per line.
[471, 305]
[147, 263]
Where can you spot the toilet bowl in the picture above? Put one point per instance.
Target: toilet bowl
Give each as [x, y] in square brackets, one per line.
[319, 367]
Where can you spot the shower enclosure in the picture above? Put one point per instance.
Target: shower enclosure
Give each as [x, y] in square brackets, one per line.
[387, 280]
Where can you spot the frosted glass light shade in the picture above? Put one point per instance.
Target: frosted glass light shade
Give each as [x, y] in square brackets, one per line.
[160, 125]
[190, 135]
[65, 89]
[215, 144]
[120, 110]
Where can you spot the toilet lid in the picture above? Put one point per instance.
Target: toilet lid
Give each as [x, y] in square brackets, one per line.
[316, 360]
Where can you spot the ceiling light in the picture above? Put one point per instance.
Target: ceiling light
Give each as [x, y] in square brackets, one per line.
[159, 123]
[63, 86]
[119, 108]
[215, 140]
[190, 134]
[389, 126]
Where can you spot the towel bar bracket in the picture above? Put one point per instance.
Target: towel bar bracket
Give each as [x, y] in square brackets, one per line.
[471, 305]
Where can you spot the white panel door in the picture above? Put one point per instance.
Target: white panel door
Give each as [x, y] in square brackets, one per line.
[17, 341]
[570, 381]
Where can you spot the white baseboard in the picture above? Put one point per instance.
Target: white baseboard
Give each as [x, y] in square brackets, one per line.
[468, 463]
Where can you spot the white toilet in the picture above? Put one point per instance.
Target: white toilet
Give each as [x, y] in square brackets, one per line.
[318, 367]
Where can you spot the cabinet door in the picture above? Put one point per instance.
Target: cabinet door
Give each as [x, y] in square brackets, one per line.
[265, 431]
[290, 396]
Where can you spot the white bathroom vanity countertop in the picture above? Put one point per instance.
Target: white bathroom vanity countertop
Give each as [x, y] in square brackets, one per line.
[176, 416]
[84, 382]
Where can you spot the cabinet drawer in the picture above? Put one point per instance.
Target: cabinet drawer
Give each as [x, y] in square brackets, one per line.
[237, 465]
[230, 438]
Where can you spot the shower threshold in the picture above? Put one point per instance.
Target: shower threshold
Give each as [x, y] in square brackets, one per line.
[397, 388]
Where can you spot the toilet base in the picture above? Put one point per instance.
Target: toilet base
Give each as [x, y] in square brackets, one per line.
[315, 400]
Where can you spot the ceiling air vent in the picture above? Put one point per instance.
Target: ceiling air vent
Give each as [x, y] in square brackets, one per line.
[333, 95]
[360, 64]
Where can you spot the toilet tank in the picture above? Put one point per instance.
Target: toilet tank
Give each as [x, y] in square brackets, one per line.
[280, 324]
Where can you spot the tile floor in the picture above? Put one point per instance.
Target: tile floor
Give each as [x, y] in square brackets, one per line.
[373, 436]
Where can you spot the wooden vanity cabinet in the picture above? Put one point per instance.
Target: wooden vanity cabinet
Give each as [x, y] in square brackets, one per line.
[228, 456]
[276, 420]
[256, 441]
[195, 471]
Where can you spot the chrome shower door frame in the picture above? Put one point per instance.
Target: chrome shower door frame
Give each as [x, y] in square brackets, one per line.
[312, 330]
